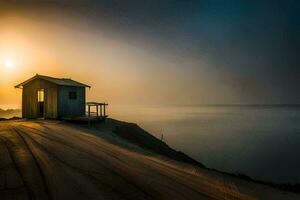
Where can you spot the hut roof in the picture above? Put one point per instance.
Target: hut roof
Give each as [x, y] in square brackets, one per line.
[57, 81]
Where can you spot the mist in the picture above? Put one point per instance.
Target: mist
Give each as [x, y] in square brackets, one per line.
[155, 52]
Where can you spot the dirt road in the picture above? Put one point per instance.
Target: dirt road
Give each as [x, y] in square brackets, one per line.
[54, 160]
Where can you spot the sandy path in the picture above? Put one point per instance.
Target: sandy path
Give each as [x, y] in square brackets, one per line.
[51, 160]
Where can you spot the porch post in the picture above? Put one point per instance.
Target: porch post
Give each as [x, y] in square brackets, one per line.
[97, 108]
[104, 109]
[100, 110]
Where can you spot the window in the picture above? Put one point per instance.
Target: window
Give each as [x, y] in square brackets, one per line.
[72, 95]
[41, 95]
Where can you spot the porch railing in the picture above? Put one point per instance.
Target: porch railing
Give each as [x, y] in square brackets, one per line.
[99, 109]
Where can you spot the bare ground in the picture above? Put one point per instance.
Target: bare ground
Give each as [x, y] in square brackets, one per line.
[55, 160]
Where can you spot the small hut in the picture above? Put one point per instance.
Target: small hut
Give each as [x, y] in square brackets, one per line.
[52, 98]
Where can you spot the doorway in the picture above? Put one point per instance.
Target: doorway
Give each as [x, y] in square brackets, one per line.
[41, 103]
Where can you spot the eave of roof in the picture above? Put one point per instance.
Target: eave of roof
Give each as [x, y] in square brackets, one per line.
[57, 81]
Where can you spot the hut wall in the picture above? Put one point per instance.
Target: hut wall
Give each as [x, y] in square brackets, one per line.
[30, 99]
[51, 102]
[71, 107]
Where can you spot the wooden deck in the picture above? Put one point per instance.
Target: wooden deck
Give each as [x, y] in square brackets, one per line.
[100, 109]
[86, 118]
[91, 116]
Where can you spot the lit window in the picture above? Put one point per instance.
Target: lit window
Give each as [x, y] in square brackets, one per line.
[41, 95]
[72, 95]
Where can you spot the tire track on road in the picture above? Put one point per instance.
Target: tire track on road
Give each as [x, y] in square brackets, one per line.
[18, 169]
[92, 157]
[89, 174]
[40, 171]
[24, 185]
[56, 139]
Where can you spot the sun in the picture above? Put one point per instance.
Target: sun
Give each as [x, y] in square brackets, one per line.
[8, 63]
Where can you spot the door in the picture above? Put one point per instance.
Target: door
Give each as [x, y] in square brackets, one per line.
[41, 102]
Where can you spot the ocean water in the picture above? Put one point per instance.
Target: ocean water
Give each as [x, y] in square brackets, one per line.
[262, 142]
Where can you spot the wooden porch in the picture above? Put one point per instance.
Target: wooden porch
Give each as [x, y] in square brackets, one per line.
[95, 112]
[99, 109]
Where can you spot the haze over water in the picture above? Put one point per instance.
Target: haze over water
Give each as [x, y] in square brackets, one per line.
[262, 142]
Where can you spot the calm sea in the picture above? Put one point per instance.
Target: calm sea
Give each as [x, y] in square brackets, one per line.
[260, 141]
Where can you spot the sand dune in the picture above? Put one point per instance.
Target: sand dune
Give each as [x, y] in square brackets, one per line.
[56, 160]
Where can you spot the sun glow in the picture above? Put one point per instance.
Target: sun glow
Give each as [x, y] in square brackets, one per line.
[8, 64]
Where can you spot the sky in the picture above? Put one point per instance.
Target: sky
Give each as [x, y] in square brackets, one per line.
[162, 52]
